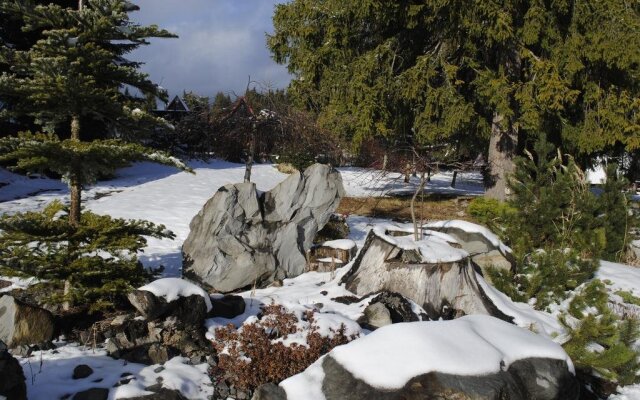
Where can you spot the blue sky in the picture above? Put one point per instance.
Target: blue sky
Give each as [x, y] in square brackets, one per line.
[221, 43]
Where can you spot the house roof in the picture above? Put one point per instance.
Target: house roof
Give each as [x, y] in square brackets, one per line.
[177, 105]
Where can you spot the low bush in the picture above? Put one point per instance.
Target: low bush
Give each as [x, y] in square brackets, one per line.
[262, 351]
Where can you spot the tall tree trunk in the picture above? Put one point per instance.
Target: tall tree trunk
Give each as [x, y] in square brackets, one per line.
[502, 149]
[252, 150]
[75, 184]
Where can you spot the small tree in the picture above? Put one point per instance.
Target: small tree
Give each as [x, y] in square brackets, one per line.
[77, 70]
[95, 259]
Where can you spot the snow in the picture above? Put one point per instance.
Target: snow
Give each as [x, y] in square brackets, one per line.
[340, 244]
[172, 288]
[363, 182]
[523, 314]
[17, 283]
[471, 228]
[165, 195]
[433, 249]
[49, 374]
[330, 260]
[471, 345]
[631, 392]
[620, 277]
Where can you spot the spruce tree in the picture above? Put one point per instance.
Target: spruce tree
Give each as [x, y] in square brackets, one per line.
[78, 70]
[462, 72]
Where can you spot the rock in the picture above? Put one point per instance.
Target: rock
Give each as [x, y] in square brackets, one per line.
[5, 284]
[161, 394]
[229, 306]
[475, 357]
[484, 247]
[82, 371]
[443, 289]
[375, 316]
[92, 394]
[269, 391]
[241, 237]
[155, 342]
[192, 310]
[12, 381]
[22, 324]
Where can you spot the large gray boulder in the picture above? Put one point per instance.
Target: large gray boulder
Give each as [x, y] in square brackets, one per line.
[23, 324]
[243, 237]
[475, 357]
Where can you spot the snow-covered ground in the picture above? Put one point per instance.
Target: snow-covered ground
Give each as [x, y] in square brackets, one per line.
[167, 196]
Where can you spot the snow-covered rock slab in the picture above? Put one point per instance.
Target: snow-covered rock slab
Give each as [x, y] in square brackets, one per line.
[477, 357]
[484, 247]
[430, 272]
[242, 237]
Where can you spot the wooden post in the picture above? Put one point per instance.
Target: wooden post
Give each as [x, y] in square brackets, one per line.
[453, 181]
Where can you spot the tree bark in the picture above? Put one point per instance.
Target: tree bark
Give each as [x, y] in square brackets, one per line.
[75, 185]
[502, 149]
[252, 149]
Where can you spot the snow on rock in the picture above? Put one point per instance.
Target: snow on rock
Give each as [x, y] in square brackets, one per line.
[173, 288]
[471, 345]
[523, 314]
[470, 228]
[49, 374]
[340, 244]
[433, 249]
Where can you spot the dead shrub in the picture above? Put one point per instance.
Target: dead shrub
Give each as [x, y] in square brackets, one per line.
[255, 354]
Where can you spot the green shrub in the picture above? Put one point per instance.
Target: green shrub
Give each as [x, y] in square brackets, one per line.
[492, 213]
[601, 341]
[97, 258]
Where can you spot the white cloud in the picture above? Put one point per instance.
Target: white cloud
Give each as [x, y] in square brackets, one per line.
[220, 44]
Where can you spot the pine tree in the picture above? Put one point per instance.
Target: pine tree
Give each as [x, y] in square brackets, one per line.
[601, 341]
[462, 72]
[78, 70]
[614, 214]
[97, 257]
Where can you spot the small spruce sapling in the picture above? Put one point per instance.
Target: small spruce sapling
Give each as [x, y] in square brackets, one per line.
[97, 257]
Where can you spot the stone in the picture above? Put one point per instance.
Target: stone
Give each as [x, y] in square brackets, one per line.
[192, 310]
[229, 306]
[375, 316]
[92, 394]
[444, 290]
[155, 342]
[23, 324]
[12, 380]
[161, 394]
[269, 391]
[482, 245]
[242, 237]
[527, 379]
[5, 284]
[428, 357]
[82, 371]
